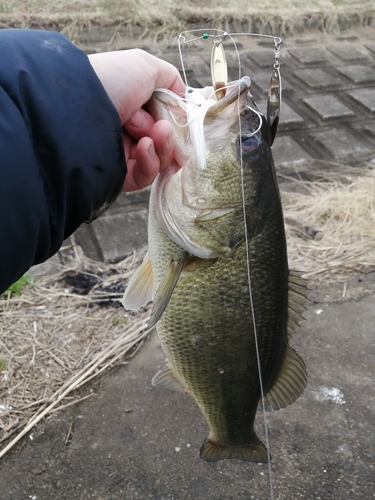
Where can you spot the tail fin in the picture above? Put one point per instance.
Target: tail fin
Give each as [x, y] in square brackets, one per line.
[212, 451]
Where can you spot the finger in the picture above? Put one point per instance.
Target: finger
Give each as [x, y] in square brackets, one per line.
[127, 146]
[130, 146]
[133, 151]
[140, 124]
[142, 169]
[162, 136]
[167, 76]
[130, 77]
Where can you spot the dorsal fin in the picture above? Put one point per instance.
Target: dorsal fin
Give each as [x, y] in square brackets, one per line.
[140, 288]
[290, 383]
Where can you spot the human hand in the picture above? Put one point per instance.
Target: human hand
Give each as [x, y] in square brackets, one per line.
[130, 77]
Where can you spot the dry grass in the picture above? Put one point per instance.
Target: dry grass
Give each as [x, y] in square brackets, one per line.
[163, 19]
[53, 341]
[343, 207]
[142, 7]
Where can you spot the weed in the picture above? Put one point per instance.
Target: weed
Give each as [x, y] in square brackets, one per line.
[17, 287]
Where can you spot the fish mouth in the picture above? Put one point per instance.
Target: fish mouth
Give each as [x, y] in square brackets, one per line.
[165, 99]
[199, 117]
[236, 89]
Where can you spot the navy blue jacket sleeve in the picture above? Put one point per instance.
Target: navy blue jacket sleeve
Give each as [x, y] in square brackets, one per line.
[61, 147]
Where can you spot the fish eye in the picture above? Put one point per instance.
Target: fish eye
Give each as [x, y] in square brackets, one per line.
[250, 144]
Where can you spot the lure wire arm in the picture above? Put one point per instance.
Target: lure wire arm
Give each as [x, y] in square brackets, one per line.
[219, 69]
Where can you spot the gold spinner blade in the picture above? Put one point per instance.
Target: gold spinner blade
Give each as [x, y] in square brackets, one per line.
[219, 69]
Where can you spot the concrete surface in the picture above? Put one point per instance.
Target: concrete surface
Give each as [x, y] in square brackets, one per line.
[323, 446]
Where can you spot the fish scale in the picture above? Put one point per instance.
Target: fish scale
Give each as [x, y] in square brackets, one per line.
[198, 262]
[220, 357]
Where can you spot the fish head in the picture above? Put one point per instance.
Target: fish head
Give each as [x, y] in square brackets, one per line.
[205, 127]
[199, 118]
[217, 142]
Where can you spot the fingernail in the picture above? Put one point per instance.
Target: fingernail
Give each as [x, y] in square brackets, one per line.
[151, 150]
[138, 120]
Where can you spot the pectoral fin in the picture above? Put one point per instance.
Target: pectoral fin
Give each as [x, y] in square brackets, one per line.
[290, 383]
[209, 215]
[140, 289]
[165, 290]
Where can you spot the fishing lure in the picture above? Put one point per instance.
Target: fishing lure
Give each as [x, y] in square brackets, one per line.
[219, 69]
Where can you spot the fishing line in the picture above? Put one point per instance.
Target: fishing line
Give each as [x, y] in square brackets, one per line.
[223, 34]
[265, 421]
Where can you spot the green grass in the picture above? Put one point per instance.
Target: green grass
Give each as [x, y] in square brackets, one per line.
[18, 286]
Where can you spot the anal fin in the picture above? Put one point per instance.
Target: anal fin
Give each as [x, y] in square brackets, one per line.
[166, 378]
[212, 451]
[290, 383]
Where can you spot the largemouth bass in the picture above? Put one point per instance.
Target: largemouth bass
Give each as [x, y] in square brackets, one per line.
[219, 279]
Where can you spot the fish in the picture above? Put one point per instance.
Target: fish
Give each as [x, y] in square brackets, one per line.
[225, 303]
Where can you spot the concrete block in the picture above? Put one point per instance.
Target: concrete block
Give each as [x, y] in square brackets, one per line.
[309, 55]
[328, 107]
[368, 127]
[366, 97]
[306, 41]
[119, 235]
[126, 200]
[262, 80]
[349, 52]
[86, 239]
[232, 58]
[50, 266]
[288, 116]
[198, 64]
[347, 38]
[263, 58]
[316, 78]
[286, 150]
[202, 81]
[340, 143]
[370, 47]
[358, 73]
[173, 57]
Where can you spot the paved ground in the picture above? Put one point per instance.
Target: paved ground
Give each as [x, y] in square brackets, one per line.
[323, 446]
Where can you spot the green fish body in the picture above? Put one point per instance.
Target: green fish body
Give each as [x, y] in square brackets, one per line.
[212, 273]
